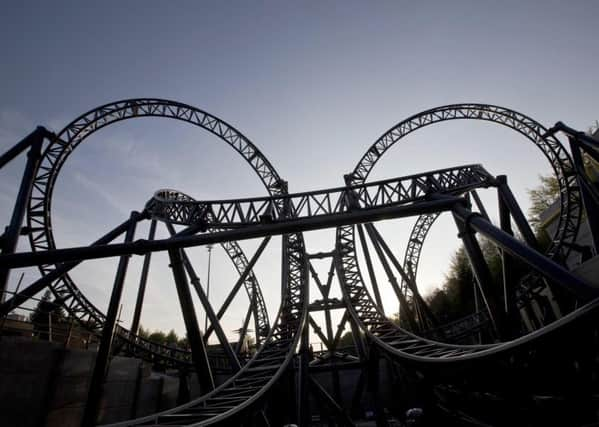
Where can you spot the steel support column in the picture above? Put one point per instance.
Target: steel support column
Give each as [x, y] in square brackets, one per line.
[24, 144]
[142, 282]
[477, 307]
[403, 302]
[10, 238]
[508, 266]
[195, 281]
[328, 320]
[284, 266]
[519, 218]
[94, 395]
[483, 277]
[304, 415]
[198, 350]
[238, 284]
[324, 291]
[409, 279]
[369, 267]
[479, 202]
[329, 326]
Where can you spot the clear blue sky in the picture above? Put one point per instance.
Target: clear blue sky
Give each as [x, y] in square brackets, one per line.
[313, 84]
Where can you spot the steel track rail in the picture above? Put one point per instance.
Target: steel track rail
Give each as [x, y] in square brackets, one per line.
[248, 386]
[550, 146]
[407, 346]
[255, 378]
[175, 207]
[244, 218]
[535, 132]
[397, 341]
[39, 219]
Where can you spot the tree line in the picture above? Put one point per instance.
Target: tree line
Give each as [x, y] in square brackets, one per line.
[169, 339]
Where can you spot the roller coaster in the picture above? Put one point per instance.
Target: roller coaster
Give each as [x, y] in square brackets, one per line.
[510, 363]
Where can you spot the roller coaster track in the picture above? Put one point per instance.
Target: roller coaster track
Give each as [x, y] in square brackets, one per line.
[173, 207]
[39, 218]
[551, 148]
[399, 342]
[240, 395]
[241, 392]
[267, 366]
[255, 378]
[408, 346]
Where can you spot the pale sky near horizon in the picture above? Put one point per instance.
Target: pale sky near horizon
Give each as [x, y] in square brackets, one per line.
[312, 84]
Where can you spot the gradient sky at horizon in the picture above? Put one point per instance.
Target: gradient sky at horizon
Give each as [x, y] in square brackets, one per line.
[312, 84]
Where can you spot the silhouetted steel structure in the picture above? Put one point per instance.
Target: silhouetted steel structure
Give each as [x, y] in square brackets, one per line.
[420, 347]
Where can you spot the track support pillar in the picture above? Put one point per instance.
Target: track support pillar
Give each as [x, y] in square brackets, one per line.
[10, 237]
[508, 267]
[94, 396]
[142, 282]
[482, 276]
[194, 335]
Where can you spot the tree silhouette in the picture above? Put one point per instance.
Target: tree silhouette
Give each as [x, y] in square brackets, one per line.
[455, 298]
[46, 313]
[541, 197]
